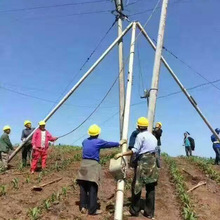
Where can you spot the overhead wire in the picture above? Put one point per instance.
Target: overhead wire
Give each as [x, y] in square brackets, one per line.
[88, 58]
[189, 66]
[53, 6]
[113, 82]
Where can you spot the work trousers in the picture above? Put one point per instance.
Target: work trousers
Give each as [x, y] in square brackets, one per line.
[217, 152]
[4, 160]
[149, 205]
[26, 153]
[36, 155]
[188, 151]
[88, 196]
[158, 151]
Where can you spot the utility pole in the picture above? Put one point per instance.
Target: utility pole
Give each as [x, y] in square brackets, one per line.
[119, 9]
[121, 183]
[157, 64]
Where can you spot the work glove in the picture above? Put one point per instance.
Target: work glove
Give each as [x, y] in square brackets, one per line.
[123, 141]
[118, 155]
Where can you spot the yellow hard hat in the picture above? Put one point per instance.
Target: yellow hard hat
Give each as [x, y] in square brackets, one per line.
[27, 122]
[159, 123]
[94, 130]
[142, 122]
[6, 127]
[42, 123]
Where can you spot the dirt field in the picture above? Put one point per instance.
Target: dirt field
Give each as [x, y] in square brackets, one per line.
[60, 200]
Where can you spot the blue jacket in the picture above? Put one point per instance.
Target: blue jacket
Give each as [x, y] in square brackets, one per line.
[213, 139]
[133, 138]
[92, 146]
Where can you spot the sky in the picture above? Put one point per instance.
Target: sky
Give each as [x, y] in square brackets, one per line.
[43, 45]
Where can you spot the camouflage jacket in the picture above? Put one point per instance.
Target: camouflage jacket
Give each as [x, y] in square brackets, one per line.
[145, 172]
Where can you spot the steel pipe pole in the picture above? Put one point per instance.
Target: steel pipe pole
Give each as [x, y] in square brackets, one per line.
[157, 64]
[186, 93]
[74, 87]
[121, 183]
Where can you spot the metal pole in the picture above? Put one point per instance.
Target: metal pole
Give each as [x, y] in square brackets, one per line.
[190, 98]
[157, 64]
[121, 183]
[121, 69]
[74, 87]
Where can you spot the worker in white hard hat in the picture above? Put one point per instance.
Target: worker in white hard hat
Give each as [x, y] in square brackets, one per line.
[40, 143]
[27, 148]
[5, 147]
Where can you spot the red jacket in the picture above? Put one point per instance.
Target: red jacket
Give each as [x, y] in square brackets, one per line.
[36, 140]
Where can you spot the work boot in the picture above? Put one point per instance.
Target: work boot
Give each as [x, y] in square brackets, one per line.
[83, 211]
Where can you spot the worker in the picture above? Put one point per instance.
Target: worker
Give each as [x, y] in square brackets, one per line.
[5, 147]
[146, 172]
[89, 173]
[187, 144]
[157, 132]
[27, 148]
[40, 144]
[216, 146]
[132, 139]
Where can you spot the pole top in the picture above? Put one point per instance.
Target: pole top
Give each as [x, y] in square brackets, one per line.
[119, 3]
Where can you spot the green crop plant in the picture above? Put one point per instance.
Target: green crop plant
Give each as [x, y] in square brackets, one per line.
[206, 167]
[53, 197]
[15, 183]
[40, 176]
[187, 204]
[35, 213]
[27, 180]
[47, 204]
[64, 191]
[3, 190]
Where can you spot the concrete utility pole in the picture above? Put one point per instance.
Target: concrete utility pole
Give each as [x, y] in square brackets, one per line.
[157, 64]
[119, 9]
[75, 87]
[121, 183]
[186, 93]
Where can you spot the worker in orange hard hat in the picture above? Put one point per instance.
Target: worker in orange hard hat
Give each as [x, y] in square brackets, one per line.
[157, 132]
[27, 148]
[5, 147]
[89, 173]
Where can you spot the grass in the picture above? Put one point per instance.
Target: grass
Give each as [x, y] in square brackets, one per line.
[206, 166]
[188, 212]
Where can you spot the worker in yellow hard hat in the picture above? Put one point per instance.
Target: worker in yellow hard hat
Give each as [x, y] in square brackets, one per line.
[157, 132]
[40, 144]
[5, 146]
[146, 172]
[89, 172]
[27, 148]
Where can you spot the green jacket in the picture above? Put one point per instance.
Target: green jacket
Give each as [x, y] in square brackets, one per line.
[5, 143]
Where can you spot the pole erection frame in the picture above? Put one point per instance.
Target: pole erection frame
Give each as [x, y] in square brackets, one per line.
[186, 93]
[74, 87]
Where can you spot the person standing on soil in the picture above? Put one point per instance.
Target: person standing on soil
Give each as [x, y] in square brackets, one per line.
[40, 143]
[187, 144]
[157, 132]
[27, 148]
[146, 172]
[5, 147]
[89, 173]
[216, 147]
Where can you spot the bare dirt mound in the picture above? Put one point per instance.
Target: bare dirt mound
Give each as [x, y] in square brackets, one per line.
[206, 198]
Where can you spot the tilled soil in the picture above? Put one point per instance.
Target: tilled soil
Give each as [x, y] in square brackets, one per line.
[206, 198]
[17, 203]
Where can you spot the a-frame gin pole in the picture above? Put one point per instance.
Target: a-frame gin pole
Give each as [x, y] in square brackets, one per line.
[74, 87]
[186, 93]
